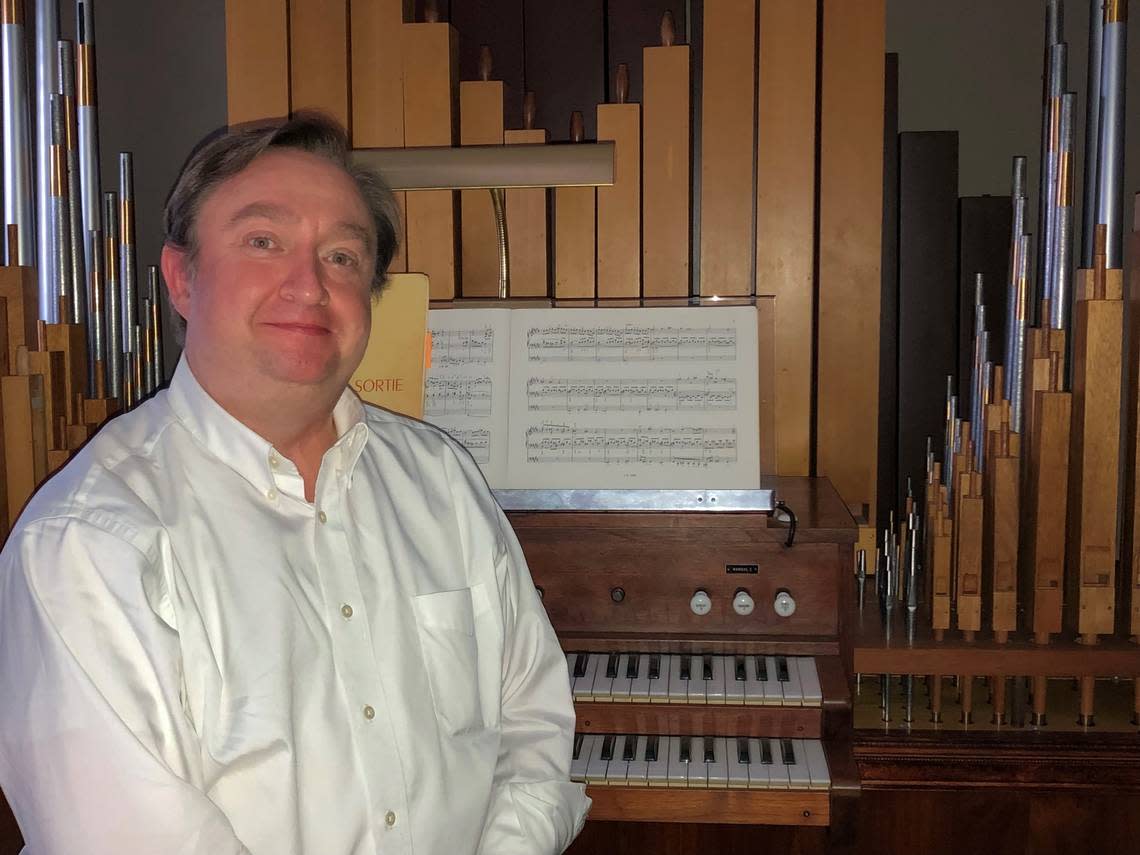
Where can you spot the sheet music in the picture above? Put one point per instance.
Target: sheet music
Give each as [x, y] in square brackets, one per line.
[467, 390]
[639, 398]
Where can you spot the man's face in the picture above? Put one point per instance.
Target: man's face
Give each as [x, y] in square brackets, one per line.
[280, 291]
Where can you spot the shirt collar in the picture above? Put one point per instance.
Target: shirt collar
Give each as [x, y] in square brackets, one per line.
[242, 449]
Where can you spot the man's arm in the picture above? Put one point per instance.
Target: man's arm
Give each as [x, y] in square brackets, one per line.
[96, 753]
[535, 809]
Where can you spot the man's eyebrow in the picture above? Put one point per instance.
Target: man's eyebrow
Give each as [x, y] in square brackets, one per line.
[355, 230]
[262, 210]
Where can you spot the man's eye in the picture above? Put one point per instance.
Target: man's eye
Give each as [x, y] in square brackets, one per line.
[261, 242]
[342, 259]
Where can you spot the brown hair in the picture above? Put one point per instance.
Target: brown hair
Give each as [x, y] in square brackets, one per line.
[223, 156]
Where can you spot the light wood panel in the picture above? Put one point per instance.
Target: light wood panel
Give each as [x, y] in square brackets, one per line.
[378, 87]
[318, 57]
[481, 123]
[666, 172]
[785, 214]
[257, 60]
[528, 228]
[575, 242]
[619, 205]
[728, 131]
[851, 176]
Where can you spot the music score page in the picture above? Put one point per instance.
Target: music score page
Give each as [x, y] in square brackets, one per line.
[647, 398]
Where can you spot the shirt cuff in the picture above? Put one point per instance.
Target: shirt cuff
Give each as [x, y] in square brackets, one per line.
[547, 815]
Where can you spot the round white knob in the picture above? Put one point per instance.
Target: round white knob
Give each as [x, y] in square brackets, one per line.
[742, 603]
[785, 604]
[701, 604]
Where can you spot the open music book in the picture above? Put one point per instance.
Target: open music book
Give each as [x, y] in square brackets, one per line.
[647, 398]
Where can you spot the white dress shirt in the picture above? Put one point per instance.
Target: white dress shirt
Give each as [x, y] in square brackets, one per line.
[195, 659]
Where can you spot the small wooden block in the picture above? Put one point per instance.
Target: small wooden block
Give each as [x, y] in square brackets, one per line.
[49, 364]
[318, 57]
[25, 438]
[575, 249]
[619, 205]
[528, 227]
[257, 60]
[71, 340]
[481, 123]
[19, 289]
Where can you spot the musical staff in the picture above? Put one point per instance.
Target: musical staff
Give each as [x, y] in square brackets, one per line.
[630, 343]
[684, 446]
[712, 392]
[475, 440]
[450, 347]
[450, 396]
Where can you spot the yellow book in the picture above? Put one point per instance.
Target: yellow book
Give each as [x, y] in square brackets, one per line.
[392, 372]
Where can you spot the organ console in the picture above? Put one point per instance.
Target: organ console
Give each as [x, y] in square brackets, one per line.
[706, 655]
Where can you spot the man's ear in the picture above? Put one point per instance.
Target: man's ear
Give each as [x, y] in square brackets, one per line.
[176, 272]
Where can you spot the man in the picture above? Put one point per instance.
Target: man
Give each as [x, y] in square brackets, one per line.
[253, 615]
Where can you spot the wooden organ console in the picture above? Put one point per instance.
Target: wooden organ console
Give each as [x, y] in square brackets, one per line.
[706, 657]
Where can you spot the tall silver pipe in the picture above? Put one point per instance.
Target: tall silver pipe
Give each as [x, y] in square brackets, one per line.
[145, 350]
[1017, 228]
[76, 242]
[948, 439]
[87, 116]
[1092, 133]
[979, 426]
[96, 324]
[1054, 26]
[1063, 229]
[1020, 322]
[60, 210]
[17, 138]
[153, 292]
[128, 280]
[47, 84]
[1110, 189]
[1058, 59]
[114, 303]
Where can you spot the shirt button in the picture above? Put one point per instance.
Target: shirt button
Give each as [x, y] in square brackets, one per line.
[321, 516]
[346, 611]
[271, 494]
[274, 461]
[390, 818]
[369, 713]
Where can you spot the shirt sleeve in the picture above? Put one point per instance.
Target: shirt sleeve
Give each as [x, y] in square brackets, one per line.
[96, 753]
[535, 808]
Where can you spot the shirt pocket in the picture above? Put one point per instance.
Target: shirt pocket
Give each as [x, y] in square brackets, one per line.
[446, 624]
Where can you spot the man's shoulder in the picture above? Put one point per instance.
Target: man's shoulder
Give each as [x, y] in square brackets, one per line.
[396, 428]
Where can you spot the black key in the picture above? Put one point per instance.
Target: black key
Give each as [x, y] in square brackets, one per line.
[743, 755]
[781, 669]
[578, 737]
[761, 668]
[707, 665]
[651, 749]
[628, 752]
[685, 749]
[710, 752]
[654, 666]
[787, 752]
[686, 662]
[765, 752]
[608, 747]
[611, 666]
[580, 665]
[741, 676]
[631, 666]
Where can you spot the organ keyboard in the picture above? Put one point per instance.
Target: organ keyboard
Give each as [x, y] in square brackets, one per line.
[704, 654]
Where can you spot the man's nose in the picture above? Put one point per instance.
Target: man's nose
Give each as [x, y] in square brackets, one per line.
[305, 281]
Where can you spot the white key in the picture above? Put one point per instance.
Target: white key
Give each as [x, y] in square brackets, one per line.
[678, 769]
[778, 771]
[604, 678]
[619, 766]
[571, 660]
[753, 688]
[718, 768]
[639, 685]
[737, 767]
[817, 764]
[597, 764]
[793, 691]
[638, 772]
[678, 688]
[697, 681]
[759, 776]
[698, 768]
[584, 685]
[809, 679]
[659, 687]
[773, 694]
[622, 682]
[798, 777]
[715, 690]
[734, 688]
[657, 769]
[579, 762]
